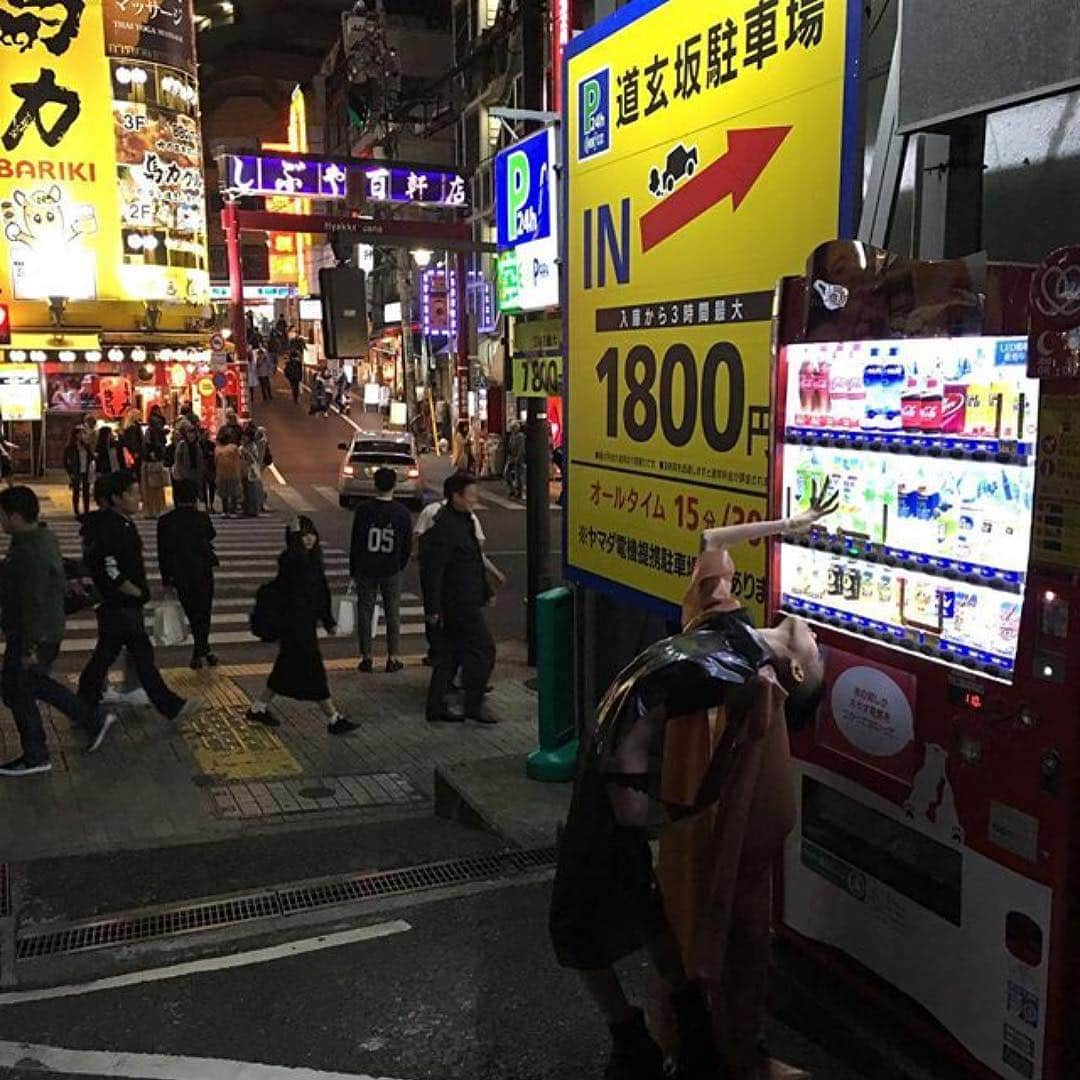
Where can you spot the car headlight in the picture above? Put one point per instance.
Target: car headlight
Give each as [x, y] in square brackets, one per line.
[348, 470]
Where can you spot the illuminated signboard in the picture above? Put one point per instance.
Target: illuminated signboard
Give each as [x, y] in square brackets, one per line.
[101, 190]
[438, 301]
[316, 178]
[20, 392]
[255, 292]
[525, 191]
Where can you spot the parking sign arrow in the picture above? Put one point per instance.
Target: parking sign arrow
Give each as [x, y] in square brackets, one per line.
[734, 173]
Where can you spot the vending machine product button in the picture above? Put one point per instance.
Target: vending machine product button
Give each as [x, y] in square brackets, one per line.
[1050, 771]
[970, 750]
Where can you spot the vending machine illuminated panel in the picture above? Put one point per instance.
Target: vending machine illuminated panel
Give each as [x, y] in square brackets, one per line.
[930, 445]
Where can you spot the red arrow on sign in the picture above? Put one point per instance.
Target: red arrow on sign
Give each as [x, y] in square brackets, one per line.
[735, 173]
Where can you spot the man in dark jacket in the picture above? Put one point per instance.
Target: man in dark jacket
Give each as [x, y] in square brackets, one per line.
[456, 590]
[187, 559]
[379, 551]
[294, 372]
[112, 551]
[32, 584]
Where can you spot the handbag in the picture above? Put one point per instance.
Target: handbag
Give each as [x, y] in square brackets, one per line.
[345, 616]
[155, 474]
[169, 624]
[80, 592]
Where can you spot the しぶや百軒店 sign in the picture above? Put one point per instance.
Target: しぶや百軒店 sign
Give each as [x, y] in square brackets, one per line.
[708, 150]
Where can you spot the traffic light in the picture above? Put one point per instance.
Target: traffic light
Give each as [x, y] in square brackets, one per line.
[359, 105]
[5, 325]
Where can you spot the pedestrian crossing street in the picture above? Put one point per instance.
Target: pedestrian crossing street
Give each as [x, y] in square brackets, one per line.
[247, 549]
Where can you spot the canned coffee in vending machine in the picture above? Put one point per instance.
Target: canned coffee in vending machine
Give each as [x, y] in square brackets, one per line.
[936, 850]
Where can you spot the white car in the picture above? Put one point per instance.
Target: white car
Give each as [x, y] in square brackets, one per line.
[366, 454]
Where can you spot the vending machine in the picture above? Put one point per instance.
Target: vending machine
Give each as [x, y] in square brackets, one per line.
[937, 788]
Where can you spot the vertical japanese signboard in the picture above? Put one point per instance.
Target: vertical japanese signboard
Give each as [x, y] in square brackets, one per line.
[101, 186]
[155, 101]
[56, 156]
[707, 149]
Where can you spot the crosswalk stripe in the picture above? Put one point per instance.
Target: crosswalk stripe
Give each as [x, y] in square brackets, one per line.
[288, 494]
[218, 618]
[248, 550]
[239, 637]
[328, 493]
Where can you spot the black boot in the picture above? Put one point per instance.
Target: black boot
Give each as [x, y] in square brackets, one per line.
[634, 1054]
[698, 1057]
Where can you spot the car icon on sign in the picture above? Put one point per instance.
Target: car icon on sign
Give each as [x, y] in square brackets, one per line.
[680, 162]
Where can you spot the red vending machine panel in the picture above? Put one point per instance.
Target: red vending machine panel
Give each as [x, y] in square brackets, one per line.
[937, 787]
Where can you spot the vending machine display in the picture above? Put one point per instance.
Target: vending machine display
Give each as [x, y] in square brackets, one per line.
[936, 847]
[930, 445]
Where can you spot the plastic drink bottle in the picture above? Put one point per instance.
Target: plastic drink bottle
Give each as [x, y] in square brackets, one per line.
[873, 374]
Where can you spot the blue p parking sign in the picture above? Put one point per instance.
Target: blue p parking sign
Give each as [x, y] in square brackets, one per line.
[594, 114]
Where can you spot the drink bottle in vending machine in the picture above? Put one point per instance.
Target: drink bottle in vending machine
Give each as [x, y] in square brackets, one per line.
[938, 832]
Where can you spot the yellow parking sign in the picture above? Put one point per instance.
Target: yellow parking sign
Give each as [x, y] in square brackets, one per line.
[708, 149]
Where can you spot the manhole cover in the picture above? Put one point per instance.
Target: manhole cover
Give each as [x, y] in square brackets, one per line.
[316, 793]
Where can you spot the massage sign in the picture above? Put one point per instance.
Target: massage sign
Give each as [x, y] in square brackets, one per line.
[101, 190]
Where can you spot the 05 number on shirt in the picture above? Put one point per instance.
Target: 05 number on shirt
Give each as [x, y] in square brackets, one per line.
[381, 540]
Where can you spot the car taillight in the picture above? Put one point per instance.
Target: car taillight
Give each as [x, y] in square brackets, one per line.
[414, 474]
[348, 470]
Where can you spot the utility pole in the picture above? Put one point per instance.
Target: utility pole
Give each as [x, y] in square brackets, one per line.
[537, 431]
[408, 371]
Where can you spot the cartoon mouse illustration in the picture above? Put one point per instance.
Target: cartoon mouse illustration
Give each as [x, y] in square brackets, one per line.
[931, 798]
[37, 219]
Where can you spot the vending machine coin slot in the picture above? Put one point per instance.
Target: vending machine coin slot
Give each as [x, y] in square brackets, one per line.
[1053, 615]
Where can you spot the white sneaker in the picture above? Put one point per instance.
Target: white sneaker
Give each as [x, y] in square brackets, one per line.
[134, 698]
[107, 722]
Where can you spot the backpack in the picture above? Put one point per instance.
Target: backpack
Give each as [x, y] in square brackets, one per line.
[268, 615]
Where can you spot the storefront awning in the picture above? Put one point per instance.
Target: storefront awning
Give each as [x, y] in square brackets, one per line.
[39, 346]
[90, 347]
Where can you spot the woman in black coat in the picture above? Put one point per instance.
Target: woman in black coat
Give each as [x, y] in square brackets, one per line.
[107, 457]
[298, 671]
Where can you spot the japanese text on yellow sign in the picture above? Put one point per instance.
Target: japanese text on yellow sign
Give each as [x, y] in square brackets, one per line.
[1057, 492]
[101, 187]
[703, 162]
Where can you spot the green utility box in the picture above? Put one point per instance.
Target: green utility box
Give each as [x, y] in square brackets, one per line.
[556, 759]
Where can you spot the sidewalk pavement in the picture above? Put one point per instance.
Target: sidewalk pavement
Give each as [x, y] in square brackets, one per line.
[54, 493]
[218, 776]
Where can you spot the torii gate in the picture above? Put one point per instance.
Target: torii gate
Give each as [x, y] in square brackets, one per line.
[387, 232]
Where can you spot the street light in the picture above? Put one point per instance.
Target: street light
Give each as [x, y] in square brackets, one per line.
[422, 257]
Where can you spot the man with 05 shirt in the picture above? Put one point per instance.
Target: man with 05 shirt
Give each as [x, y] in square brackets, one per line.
[378, 553]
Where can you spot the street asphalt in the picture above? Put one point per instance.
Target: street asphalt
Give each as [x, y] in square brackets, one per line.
[469, 991]
[454, 984]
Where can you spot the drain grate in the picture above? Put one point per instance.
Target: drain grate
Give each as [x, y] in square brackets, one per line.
[412, 879]
[131, 930]
[326, 892]
[5, 891]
